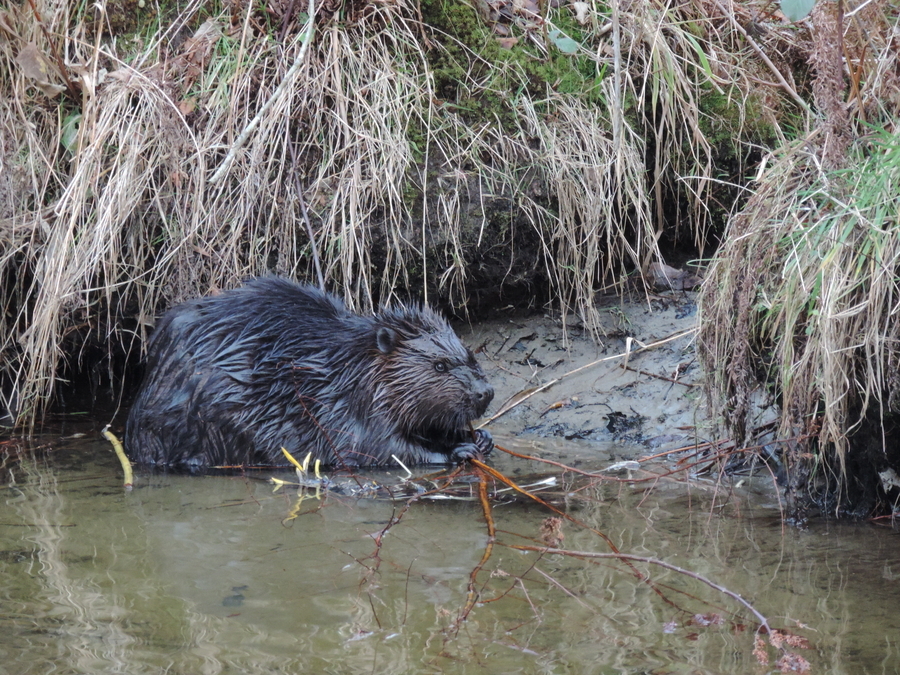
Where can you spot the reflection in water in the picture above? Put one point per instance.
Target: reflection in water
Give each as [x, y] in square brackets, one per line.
[210, 575]
[63, 610]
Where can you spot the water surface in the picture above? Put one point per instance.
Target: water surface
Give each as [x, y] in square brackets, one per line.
[223, 575]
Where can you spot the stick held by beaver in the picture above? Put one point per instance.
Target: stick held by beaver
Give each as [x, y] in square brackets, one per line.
[232, 378]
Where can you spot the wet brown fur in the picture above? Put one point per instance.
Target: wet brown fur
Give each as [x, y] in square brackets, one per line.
[233, 378]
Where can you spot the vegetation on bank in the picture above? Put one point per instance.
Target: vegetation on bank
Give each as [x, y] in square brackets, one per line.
[471, 153]
[480, 156]
[801, 304]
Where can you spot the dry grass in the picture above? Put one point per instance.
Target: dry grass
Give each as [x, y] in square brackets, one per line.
[802, 301]
[109, 214]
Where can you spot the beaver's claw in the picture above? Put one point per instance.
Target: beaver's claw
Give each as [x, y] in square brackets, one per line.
[479, 448]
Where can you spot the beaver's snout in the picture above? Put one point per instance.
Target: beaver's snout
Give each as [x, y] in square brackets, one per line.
[482, 395]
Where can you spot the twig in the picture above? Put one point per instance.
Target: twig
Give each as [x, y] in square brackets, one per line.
[784, 83]
[288, 78]
[651, 561]
[286, 20]
[120, 453]
[659, 377]
[496, 475]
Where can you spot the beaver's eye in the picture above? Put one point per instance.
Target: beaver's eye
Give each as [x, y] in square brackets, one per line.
[440, 366]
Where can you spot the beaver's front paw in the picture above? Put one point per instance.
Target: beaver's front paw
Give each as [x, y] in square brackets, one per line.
[480, 448]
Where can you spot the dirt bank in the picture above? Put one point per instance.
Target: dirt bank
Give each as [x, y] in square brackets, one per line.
[609, 409]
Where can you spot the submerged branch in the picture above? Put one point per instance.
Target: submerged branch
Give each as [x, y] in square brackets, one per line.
[472, 594]
[628, 558]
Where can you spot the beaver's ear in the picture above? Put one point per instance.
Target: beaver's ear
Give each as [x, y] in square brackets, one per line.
[387, 340]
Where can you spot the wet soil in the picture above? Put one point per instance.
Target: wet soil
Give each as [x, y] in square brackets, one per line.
[638, 388]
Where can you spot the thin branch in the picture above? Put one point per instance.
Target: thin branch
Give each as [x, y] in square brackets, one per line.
[652, 561]
[310, 30]
[784, 83]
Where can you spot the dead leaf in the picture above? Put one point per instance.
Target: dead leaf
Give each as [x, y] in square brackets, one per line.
[582, 12]
[759, 651]
[35, 67]
[551, 532]
[198, 47]
[50, 90]
[123, 75]
[487, 11]
[559, 404]
[660, 275]
[33, 63]
[89, 78]
[527, 7]
[507, 42]
[792, 663]
[177, 178]
[196, 52]
[187, 106]
[6, 23]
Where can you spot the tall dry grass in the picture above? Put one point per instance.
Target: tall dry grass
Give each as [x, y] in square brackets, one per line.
[111, 145]
[801, 305]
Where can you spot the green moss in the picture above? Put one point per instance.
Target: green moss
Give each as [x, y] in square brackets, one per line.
[473, 54]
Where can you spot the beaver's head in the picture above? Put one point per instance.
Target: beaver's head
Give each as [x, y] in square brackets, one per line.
[427, 378]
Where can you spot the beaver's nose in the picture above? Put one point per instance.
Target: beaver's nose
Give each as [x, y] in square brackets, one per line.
[483, 395]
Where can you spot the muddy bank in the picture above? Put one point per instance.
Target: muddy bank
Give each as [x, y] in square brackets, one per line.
[650, 402]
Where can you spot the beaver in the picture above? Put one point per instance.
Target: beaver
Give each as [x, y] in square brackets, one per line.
[232, 378]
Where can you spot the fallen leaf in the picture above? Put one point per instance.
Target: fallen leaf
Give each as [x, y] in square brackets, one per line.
[528, 7]
[187, 106]
[792, 663]
[35, 67]
[551, 532]
[89, 78]
[759, 651]
[507, 42]
[33, 63]
[123, 75]
[582, 12]
[50, 90]
[6, 23]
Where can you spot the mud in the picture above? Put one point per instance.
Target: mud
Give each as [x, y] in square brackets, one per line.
[649, 402]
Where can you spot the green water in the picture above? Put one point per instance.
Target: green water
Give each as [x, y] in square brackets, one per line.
[216, 575]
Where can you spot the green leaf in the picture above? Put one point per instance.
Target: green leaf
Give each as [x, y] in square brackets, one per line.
[69, 135]
[795, 10]
[704, 62]
[563, 42]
